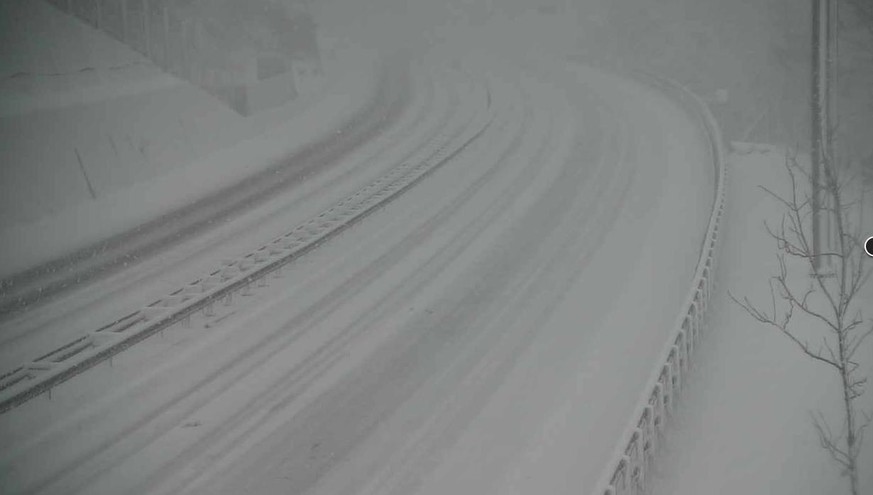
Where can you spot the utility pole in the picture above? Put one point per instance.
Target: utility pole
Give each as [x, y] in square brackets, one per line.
[819, 101]
[830, 122]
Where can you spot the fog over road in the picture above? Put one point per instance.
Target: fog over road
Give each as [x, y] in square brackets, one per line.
[487, 331]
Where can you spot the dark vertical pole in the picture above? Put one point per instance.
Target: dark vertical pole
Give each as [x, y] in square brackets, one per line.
[825, 172]
[816, 114]
[830, 148]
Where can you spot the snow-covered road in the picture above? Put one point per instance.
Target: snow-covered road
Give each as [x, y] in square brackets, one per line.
[488, 331]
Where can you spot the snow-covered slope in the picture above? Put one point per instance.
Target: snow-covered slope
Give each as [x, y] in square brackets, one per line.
[49, 60]
[744, 425]
[95, 140]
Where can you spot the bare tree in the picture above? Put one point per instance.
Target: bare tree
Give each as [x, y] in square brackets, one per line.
[829, 298]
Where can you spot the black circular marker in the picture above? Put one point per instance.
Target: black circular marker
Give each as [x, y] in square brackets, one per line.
[868, 246]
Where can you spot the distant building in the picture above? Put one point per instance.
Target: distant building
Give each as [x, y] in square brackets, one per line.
[248, 53]
[253, 53]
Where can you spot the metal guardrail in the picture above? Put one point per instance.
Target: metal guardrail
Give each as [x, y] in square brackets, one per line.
[630, 467]
[40, 375]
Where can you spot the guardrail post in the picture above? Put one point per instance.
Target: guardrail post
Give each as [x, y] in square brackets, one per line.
[667, 389]
[682, 348]
[692, 318]
[707, 277]
[675, 370]
[656, 400]
[619, 477]
[690, 336]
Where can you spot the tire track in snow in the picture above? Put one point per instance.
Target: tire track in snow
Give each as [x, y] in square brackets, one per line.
[480, 364]
[103, 446]
[27, 290]
[32, 333]
[386, 304]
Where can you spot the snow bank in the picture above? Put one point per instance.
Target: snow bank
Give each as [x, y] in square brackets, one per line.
[95, 140]
[109, 142]
[49, 60]
[83, 222]
[744, 425]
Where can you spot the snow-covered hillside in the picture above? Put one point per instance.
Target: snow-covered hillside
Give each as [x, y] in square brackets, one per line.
[744, 424]
[92, 134]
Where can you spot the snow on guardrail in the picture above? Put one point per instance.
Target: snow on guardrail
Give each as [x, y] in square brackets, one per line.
[237, 275]
[630, 466]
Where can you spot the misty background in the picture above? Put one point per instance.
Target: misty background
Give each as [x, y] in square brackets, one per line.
[750, 60]
[758, 51]
[144, 148]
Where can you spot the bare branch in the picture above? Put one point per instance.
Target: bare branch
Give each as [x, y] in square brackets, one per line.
[837, 290]
[856, 341]
[830, 442]
[789, 296]
[782, 326]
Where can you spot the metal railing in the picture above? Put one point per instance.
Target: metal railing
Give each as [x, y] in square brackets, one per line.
[630, 468]
[237, 276]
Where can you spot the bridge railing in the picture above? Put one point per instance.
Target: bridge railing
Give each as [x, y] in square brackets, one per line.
[630, 467]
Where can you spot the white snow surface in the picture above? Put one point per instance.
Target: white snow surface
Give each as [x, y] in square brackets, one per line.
[489, 331]
[150, 143]
[50, 60]
[248, 150]
[743, 423]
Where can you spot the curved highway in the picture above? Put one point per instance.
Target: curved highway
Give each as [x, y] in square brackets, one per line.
[487, 331]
